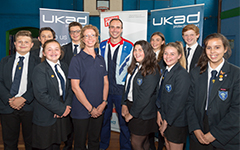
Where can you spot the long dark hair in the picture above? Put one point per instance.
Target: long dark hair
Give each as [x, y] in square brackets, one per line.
[160, 56]
[149, 64]
[203, 60]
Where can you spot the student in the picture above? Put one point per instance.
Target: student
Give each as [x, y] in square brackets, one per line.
[45, 33]
[172, 97]
[16, 94]
[213, 106]
[117, 54]
[139, 98]
[88, 75]
[53, 96]
[157, 41]
[73, 48]
[193, 50]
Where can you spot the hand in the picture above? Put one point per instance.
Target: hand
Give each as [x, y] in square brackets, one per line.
[56, 116]
[200, 136]
[67, 111]
[163, 127]
[128, 117]
[209, 137]
[101, 107]
[159, 119]
[17, 102]
[95, 113]
[124, 110]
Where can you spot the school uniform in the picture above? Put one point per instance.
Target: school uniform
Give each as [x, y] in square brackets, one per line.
[141, 101]
[172, 97]
[223, 108]
[11, 118]
[68, 50]
[48, 130]
[37, 52]
[195, 53]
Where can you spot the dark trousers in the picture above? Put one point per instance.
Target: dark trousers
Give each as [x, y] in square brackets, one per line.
[69, 142]
[196, 145]
[84, 128]
[11, 129]
[124, 138]
[52, 147]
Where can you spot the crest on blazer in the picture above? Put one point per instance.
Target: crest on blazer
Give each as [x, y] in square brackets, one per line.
[139, 81]
[223, 95]
[168, 87]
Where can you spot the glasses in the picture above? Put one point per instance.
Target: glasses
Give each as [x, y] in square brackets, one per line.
[77, 31]
[89, 36]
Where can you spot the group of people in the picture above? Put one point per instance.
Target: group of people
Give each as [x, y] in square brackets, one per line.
[67, 93]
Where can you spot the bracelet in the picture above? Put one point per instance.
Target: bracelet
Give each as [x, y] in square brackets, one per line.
[105, 101]
[91, 110]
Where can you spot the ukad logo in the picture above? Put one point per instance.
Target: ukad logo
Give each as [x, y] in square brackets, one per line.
[168, 87]
[139, 81]
[223, 95]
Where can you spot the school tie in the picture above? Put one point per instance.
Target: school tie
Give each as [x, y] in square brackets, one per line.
[160, 89]
[211, 82]
[61, 81]
[188, 52]
[75, 50]
[17, 77]
[129, 83]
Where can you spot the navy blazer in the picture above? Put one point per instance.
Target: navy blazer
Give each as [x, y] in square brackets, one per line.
[223, 107]
[68, 53]
[144, 96]
[36, 52]
[195, 57]
[6, 66]
[173, 96]
[46, 91]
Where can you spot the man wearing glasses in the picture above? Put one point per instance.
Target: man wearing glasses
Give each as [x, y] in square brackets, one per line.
[72, 48]
[117, 54]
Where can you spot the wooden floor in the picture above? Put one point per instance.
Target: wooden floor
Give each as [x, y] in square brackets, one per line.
[114, 142]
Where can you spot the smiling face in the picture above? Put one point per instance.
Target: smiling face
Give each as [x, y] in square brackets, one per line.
[215, 52]
[45, 35]
[89, 38]
[138, 53]
[115, 29]
[52, 51]
[190, 37]
[23, 44]
[75, 34]
[171, 56]
[156, 42]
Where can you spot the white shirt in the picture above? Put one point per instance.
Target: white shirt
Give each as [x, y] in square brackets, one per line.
[168, 69]
[157, 53]
[78, 48]
[24, 78]
[52, 64]
[130, 95]
[219, 67]
[190, 56]
[40, 52]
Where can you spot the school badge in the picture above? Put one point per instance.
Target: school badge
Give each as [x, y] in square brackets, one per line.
[168, 87]
[139, 81]
[223, 95]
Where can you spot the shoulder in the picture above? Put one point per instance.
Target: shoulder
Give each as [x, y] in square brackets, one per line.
[200, 48]
[68, 44]
[127, 42]
[195, 71]
[5, 59]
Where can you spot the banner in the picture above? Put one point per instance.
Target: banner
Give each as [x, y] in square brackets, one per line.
[134, 24]
[134, 29]
[171, 21]
[59, 20]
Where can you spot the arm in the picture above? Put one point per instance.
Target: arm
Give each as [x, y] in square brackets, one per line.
[143, 97]
[101, 107]
[177, 103]
[43, 93]
[82, 98]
